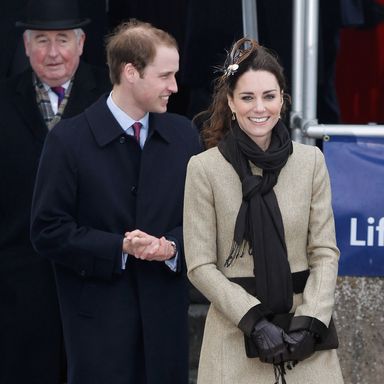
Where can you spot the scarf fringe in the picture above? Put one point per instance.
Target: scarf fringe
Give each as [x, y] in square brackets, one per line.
[280, 373]
[236, 252]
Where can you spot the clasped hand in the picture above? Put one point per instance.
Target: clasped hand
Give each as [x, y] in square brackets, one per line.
[275, 346]
[147, 247]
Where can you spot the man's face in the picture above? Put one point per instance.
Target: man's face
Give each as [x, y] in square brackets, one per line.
[151, 92]
[54, 55]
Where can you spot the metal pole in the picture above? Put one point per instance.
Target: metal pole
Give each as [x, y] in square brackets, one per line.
[321, 130]
[303, 121]
[297, 69]
[250, 19]
[310, 70]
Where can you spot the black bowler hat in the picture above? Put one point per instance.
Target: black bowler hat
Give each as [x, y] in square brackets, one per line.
[52, 15]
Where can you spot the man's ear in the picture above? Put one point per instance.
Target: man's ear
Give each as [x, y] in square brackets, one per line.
[130, 72]
[81, 44]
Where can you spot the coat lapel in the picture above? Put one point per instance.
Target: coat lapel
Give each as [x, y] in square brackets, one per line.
[25, 102]
[158, 125]
[104, 126]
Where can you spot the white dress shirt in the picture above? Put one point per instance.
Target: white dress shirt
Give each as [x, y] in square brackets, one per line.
[53, 98]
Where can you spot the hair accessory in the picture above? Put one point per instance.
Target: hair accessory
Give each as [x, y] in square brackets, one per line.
[239, 52]
[231, 69]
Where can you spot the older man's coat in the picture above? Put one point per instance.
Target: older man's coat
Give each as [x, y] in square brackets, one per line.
[30, 326]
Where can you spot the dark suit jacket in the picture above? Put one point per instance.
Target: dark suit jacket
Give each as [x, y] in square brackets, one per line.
[27, 289]
[94, 183]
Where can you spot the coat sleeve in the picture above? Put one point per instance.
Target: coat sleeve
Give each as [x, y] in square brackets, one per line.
[318, 297]
[54, 231]
[200, 239]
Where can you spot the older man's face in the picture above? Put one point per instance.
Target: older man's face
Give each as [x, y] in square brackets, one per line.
[54, 55]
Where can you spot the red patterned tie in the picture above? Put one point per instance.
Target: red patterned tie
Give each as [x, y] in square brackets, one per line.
[136, 129]
[60, 92]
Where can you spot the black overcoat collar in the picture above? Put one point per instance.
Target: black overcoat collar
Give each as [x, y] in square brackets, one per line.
[106, 129]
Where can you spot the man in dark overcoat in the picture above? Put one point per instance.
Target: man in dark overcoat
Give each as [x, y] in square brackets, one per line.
[107, 209]
[30, 328]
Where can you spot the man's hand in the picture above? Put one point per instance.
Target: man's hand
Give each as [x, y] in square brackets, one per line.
[147, 247]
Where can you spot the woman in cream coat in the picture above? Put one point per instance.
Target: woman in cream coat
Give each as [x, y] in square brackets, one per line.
[222, 267]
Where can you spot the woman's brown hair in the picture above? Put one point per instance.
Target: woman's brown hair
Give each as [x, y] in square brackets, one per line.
[245, 54]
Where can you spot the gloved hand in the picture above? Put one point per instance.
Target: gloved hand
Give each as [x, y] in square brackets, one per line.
[301, 344]
[270, 343]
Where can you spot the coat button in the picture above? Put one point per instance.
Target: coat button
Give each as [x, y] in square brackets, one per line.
[122, 140]
[134, 190]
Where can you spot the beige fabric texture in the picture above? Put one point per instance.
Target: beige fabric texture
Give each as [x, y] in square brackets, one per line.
[212, 200]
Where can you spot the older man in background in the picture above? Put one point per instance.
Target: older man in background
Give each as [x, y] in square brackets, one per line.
[57, 85]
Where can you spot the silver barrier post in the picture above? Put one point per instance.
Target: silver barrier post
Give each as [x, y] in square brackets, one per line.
[250, 19]
[310, 69]
[321, 130]
[304, 124]
[297, 70]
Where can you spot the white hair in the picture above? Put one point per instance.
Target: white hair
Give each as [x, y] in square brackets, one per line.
[78, 32]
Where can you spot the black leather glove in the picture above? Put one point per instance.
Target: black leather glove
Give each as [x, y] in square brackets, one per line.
[301, 344]
[270, 342]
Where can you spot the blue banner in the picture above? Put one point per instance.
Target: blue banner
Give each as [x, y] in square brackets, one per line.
[356, 169]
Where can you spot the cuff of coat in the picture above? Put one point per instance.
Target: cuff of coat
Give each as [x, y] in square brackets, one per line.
[100, 267]
[254, 315]
[310, 324]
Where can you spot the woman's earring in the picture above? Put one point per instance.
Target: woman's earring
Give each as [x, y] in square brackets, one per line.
[233, 116]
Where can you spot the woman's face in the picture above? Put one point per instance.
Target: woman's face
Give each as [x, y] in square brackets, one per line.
[257, 101]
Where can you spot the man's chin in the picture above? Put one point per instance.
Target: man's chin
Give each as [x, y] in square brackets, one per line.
[55, 80]
[161, 109]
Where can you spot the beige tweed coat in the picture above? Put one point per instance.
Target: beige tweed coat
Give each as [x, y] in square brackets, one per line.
[212, 200]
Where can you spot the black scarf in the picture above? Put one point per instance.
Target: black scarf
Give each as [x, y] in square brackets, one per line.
[259, 221]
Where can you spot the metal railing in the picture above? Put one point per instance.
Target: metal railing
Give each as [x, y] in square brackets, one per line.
[303, 118]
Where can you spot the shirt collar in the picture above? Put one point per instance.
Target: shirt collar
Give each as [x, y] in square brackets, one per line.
[123, 118]
[125, 121]
[65, 85]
